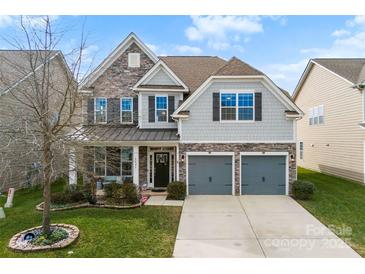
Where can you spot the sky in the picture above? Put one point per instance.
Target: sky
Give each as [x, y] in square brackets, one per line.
[280, 46]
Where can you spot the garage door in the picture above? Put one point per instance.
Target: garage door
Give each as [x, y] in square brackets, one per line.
[263, 175]
[210, 175]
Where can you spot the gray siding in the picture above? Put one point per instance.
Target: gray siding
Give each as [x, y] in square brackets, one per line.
[200, 127]
[160, 78]
[144, 117]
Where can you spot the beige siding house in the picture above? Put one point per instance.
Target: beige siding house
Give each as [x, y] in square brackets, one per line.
[331, 134]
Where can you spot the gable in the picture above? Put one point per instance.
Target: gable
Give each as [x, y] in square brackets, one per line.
[281, 97]
[161, 77]
[116, 55]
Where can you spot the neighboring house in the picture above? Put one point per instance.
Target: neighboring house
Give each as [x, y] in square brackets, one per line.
[20, 146]
[331, 135]
[223, 127]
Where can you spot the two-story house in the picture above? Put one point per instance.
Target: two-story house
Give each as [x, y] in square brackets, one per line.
[331, 135]
[223, 127]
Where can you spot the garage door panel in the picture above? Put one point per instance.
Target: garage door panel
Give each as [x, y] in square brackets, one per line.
[210, 175]
[263, 175]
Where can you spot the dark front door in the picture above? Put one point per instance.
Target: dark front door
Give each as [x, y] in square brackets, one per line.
[162, 164]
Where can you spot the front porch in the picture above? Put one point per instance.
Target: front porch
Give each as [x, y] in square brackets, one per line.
[150, 167]
[109, 153]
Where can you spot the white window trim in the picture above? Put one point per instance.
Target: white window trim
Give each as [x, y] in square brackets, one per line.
[129, 161]
[130, 57]
[106, 110]
[167, 109]
[121, 111]
[237, 107]
[301, 151]
[315, 115]
[99, 162]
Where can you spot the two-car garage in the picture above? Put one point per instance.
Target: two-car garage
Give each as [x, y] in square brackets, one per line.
[260, 174]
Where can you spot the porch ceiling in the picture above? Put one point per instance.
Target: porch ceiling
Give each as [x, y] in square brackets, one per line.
[109, 133]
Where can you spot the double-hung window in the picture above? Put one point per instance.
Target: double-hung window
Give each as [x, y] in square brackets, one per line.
[99, 161]
[316, 115]
[126, 110]
[161, 108]
[237, 106]
[127, 162]
[301, 150]
[100, 110]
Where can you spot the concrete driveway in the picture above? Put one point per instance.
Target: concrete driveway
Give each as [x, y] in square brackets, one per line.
[253, 226]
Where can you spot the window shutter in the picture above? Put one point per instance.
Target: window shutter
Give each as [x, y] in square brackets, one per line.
[258, 106]
[216, 107]
[171, 107]
[113, 110]
[135, 110]
[113, 161]
[89, 160]
[151, 109]
[90, 111]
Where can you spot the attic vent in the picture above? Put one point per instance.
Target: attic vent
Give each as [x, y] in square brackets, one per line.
[134, 60]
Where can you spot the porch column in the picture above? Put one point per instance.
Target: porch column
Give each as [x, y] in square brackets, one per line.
[72, 173]
[177, 159]
[136, 165]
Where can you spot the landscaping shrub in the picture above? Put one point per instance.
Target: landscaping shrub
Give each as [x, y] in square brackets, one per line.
[303, 190]
[89, 190]
[56, 235]
[111, 190]
[130, 193]
[77, 196]
[176, 191]
[60, 198]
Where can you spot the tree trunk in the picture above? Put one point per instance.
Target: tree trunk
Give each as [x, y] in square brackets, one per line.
[47, 161]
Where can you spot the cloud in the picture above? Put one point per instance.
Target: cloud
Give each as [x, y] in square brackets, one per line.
[189, 50]
[152, 47]
[358, 20]
[347, 42]
[38, 21]
[340, 32]
[221, 31]
[5, 21]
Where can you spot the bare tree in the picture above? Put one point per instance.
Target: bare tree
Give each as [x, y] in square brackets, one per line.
[43, 106]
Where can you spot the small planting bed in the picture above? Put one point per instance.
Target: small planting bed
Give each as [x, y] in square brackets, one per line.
[32, 239]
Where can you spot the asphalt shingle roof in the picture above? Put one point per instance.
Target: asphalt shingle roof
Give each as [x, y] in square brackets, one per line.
[352, 69]
[193, 70]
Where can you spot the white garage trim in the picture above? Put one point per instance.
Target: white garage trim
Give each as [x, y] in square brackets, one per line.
[194, 153]
[286, 154]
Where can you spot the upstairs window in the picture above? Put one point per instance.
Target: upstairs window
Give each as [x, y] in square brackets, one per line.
[237, 106]
[316, 115]
[134, 60]
[161, 108]
[100, 110]
[126, 110]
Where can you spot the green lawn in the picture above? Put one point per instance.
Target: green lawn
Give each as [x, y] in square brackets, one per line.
[141, 232]
[338, 202]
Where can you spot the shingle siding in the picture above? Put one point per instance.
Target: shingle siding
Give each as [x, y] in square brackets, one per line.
[145, 111]
[160, 78]
[336, 147]
[201, 127]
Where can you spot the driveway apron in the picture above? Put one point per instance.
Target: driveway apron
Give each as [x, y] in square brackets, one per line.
[253, 226]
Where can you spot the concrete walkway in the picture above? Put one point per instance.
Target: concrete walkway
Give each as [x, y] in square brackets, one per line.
[253, 226]
[161, 201]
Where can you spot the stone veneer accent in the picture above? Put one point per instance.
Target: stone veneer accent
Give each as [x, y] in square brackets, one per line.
[237, 148]
[117, 81]
[142, 165]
